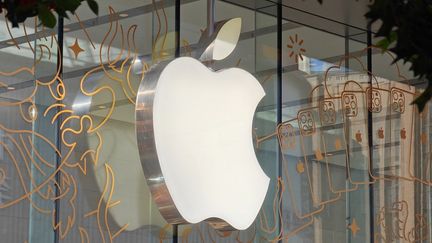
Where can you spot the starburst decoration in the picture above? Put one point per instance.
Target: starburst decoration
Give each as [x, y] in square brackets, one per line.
[354, 227]
[76, 48]
[296, 49]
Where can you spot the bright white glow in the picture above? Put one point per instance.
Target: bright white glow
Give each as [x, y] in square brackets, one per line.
[227, 39]
[80, 105]
[203, 134]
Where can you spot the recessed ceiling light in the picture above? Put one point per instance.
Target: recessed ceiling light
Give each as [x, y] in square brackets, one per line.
[124, 15]
[10, 43]
[10, 88]
[102, 107]
[66, 29]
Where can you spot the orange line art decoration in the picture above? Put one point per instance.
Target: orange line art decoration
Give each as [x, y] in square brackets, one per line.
[353, 226]
[355, 99]
[76, 48]
[296, 50]
[313, 127]
[73, 127]
[392, 224]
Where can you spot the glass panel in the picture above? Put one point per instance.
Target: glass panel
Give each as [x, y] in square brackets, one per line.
[325, 167]
[350, 161]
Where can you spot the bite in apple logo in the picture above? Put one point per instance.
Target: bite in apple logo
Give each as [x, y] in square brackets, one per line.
[194, 131]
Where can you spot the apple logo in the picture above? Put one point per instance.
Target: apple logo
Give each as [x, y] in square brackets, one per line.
[403, 133]
[359, 136]
[381, 133]
[195, 137]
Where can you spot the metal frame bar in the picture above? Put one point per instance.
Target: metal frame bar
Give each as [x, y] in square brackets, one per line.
[370, 138]
[59, 69]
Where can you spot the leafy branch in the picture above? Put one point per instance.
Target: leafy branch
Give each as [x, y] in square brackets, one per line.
[407, 28]
[17, 11]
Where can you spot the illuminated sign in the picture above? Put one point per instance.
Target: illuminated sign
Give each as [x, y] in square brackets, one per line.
[194, 129]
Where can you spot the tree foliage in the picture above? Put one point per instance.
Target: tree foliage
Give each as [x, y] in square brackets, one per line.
[17, 11]
[407, 28]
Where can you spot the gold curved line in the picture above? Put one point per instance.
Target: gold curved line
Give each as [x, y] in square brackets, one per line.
[59, 114]
[9, 31]
[60, 95]
[98, 90]
[3, 176]
[34, 150]
[26, 193]
[24, 157]
[166, 29]
[121, 230]
[159, 28]
[250, 240]
[113, 64]
[98, 148]
[24, 117]
[114, 13]
[38, 187]
[19, 70]
[113, 204]
[33, 161]
[62, 192]
[27, 38]
[42, 53]
[70, 219]
[53, 106]
[133, 37]
[128, 73]
[128, 77]
[276, 208]
[298, 230]
[57, 75]
[297, 212]
[314, 196]
[84, 235]
[36, 165]
[21, 101]
[67, 119]
[90, 213]
[93, 154]
[31, 134]
[131, 100]
[102, 65]
[128, 56]
[85, 30]
[109, 190]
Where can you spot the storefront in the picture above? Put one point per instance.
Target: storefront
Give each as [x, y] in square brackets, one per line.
[346, 154]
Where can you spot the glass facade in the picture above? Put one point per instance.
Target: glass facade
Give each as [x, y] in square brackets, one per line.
[347, 155]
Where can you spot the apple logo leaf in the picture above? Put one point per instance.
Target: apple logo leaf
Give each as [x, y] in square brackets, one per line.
[222, 42]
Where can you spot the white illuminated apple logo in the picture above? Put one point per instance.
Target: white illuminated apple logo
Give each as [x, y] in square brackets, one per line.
[194, 130]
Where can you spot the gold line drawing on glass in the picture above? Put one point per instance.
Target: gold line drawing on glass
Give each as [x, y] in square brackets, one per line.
[23, 142]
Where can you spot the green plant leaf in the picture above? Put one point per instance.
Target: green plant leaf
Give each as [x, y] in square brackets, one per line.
[68, 5]
[93, 6]
[422, 100]
[46, 16]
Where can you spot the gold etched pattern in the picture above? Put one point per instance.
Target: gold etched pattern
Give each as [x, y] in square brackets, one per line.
[21, 149]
